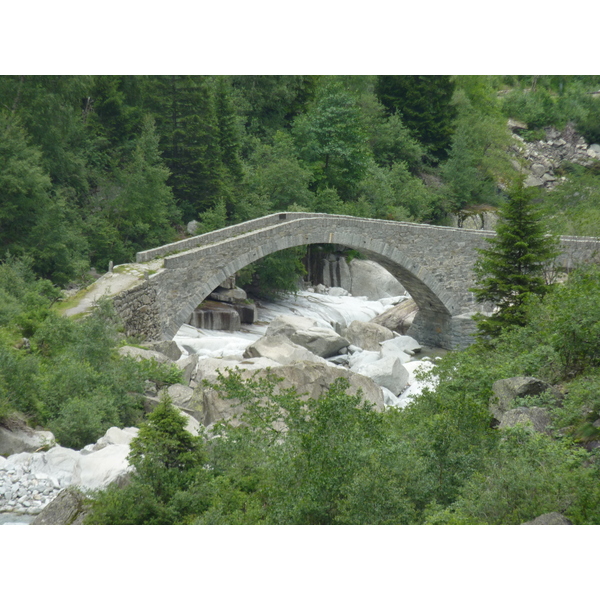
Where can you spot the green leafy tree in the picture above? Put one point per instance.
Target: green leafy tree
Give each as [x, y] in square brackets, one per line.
[478, 165]
[511, 269]
[275, 173]
[331, 139]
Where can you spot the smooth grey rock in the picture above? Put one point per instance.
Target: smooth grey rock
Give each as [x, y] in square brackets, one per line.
[142, 354]
[169, 348]
[386, 372]
[229, 295]
[188, 367]
[281, 350]
[179, 394]
[307, 333]
[192, 227]
[366, 357]
[21, 438]
[99, 469]
[367, 336]
[338, 291]
[553, 518]
[340, 359]
[372, 280]
[68, 508]
[389, 398]
[533, 417]
[115, 436]
[402, 343]
[506, 390]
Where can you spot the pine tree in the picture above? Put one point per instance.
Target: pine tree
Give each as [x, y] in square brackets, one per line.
[424, 103]
[512, 268]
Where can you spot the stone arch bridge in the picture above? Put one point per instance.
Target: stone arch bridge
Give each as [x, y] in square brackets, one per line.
[433, 263]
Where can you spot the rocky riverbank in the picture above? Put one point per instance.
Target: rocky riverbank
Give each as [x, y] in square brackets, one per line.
[308, 339]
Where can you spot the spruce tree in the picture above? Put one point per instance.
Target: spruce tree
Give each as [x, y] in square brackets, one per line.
[512, 268]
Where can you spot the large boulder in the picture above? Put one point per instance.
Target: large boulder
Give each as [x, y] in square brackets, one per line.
[367, 336]
[359, 359]
[399, 317]
[141, 353]
[312, 379]
[387, 372]
[188, 366]
[309, 334]
[360, 278]
[533, 418]
[68, 508]
[229, 295]
[179, 394]
[16, 436]
[553, 518]
[281, 350]
[372, 280]
[400, 344]
[169, 348]
[98, 469]
[507, 390]
[218, 316]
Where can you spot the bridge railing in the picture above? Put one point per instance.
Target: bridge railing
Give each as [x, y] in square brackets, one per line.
[219, 235]
[584, 245]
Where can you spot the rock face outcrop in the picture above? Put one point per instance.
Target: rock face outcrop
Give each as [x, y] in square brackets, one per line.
[360, 277]
[544, 157]
[281, 350]
[399, 317]
[68, 508]
[533, 418]
[506, 390]
[16, 437]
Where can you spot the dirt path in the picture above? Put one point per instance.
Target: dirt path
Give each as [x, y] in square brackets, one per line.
[122, 278]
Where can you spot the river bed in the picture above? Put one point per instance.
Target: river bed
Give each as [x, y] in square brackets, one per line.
[327, 310]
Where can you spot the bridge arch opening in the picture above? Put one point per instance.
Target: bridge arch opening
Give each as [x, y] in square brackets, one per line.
[436, 305]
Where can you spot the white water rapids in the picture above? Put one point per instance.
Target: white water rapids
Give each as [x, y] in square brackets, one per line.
[327, 310]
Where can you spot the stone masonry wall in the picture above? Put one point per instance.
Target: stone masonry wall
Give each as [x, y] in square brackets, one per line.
[433, 263]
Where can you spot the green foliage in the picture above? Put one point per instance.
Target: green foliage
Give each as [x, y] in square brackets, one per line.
[512, 268]
[478, 162]
[529, 474]
[275, 274]
[424, 104]
[143, 210]
[570, 321]
[332, 141]
[276, 174]
[168, 462]
[573, 207]
[392, 142]
[162, 374]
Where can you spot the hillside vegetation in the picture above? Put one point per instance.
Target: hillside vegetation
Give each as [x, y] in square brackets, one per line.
[95, 168]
